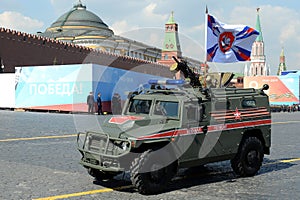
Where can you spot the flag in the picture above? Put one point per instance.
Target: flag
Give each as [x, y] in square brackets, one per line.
[228, 43]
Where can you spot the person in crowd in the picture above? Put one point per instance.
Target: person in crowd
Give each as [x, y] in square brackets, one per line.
[99, 104]
[116, 104]
[91, 103]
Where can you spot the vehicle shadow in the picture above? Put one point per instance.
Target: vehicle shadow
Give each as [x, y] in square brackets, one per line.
[220, 172]
[195, 176]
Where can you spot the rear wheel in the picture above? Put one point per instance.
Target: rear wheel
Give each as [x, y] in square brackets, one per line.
[249, 158]
[151, 172]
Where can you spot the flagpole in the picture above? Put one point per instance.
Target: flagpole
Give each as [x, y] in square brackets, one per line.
[205, 46]
[205, 34]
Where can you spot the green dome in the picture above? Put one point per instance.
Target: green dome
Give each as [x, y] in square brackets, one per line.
[76, 22]
[79, 16]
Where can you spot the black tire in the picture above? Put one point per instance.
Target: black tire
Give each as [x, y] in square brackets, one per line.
[151, 172]
[99, 175]
[249, 158]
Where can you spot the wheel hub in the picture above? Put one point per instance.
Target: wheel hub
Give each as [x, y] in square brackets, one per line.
[252, 157]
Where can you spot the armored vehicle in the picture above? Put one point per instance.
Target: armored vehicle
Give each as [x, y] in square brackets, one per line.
[180, 123]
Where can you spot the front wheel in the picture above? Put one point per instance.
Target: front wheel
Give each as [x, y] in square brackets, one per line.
[152, 171]
[249, 158]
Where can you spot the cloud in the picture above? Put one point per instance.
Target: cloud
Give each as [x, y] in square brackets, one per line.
[289, 29]
[149, 16]
[150, 36]
[119, 27]
[17, 21]
[122, 26]
[141, 25]
[149, 10]
[290, 33]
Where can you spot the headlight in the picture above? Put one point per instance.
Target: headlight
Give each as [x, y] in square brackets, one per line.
[124, 145]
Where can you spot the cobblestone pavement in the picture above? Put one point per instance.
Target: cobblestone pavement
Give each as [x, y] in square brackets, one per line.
[37, 162]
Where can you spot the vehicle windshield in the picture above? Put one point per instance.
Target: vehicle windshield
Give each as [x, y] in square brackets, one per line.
[166, 108]
[140, 106]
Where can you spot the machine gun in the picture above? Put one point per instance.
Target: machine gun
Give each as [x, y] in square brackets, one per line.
[187, 72]
[211, 80]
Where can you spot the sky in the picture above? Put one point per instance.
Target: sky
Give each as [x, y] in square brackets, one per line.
[143, 20]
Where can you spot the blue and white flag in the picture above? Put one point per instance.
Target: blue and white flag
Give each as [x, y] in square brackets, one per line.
[228, 43]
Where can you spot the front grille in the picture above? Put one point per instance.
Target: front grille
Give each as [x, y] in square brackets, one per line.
[103, 145]
[97, 144]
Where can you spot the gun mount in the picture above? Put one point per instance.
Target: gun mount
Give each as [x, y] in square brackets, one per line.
[187, 72]
[210, 80]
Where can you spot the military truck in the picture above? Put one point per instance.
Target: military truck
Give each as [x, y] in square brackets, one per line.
[180, 123]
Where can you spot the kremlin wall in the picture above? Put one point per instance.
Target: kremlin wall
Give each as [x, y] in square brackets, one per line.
[79, 53]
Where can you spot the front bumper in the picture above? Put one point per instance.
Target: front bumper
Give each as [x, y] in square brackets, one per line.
[102, 152]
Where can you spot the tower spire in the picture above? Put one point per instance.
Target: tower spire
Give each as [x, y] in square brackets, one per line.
[258, 58]
[258, 26]
[171, 19]
[282, 66]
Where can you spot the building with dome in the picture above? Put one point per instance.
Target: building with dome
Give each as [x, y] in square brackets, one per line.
[82, 27]
[80, 36]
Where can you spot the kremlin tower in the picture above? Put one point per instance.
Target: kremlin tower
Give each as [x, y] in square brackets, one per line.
[258, 65]
[282, 66]
[171, 45]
